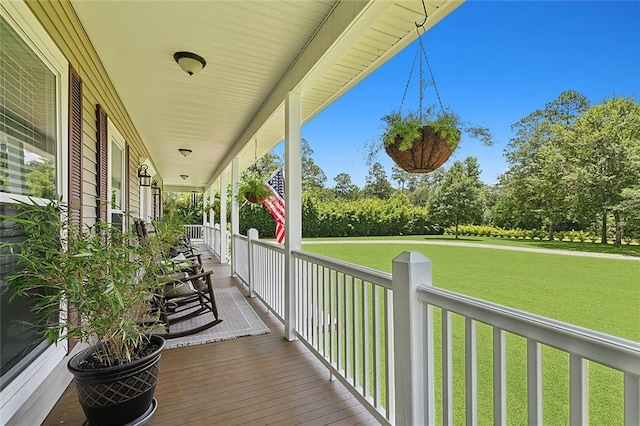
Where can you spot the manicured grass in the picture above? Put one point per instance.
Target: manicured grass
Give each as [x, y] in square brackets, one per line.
[627, 250]
[601, 294]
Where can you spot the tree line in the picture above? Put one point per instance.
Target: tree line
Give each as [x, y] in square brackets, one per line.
[572, 166]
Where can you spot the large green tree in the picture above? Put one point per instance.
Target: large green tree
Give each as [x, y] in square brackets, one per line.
[313, 178]
[376, 183]
[604, 147]
[344, 187]
[264, 166]
[536, 181]
[458, 197]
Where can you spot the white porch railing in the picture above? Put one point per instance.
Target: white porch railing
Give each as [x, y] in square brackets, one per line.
[211, 236]
[194, 232]
[375, 333]
[344, 318]
[583, 346]
[240, 251]
[267, 283]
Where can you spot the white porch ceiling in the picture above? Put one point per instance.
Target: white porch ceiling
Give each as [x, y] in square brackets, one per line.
[256, 51]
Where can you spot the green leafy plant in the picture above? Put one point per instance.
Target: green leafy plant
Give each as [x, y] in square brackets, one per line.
[252, 188]
[407, 128]
[417, 131]
[106, 277]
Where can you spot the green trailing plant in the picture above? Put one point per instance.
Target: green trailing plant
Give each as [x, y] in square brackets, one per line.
[407, 128]
[447, 124]
[104, 276]
[213, 204]
[252, 188]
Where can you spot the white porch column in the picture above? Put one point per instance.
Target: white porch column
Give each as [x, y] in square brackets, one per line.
[293, 205]
[212, 219]
[412, 332]
[145, 203]
[235, 211]
[223, 218]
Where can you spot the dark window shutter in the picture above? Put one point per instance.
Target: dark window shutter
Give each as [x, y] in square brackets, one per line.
[101, 164]
[75, 166]
[75, 147]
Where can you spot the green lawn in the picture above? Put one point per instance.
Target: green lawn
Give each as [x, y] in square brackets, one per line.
[601, 294]
[627, 250]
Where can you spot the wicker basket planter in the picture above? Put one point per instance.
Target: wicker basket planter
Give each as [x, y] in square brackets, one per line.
[253, 197]
[427, 153]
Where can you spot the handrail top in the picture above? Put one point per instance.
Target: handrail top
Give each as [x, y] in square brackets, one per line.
[269, 244]
[367, 274]
[570, 333]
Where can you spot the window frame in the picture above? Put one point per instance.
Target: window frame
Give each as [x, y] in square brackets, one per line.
[115, 137]
[20, 18]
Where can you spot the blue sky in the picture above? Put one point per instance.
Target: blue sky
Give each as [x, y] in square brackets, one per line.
[494, 62]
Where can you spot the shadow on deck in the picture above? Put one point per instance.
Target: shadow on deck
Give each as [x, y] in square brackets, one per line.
[253, 380]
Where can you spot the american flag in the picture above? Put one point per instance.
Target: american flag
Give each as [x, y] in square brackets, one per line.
[275, 202]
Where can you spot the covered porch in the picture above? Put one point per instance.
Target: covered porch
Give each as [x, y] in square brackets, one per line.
[372, 332]
[250, 380]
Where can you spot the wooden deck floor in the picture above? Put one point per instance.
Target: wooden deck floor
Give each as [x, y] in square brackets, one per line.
[254, 380]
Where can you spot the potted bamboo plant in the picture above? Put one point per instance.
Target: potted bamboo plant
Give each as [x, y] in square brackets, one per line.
[93, 286]
[421, 143]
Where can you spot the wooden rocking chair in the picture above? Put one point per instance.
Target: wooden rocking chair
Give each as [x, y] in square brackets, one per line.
[187, 296]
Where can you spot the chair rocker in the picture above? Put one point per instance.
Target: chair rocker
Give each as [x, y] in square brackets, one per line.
[185, 297]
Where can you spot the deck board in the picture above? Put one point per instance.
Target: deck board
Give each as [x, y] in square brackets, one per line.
[253, 380]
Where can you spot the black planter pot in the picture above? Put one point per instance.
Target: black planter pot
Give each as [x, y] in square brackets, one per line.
[119, 395]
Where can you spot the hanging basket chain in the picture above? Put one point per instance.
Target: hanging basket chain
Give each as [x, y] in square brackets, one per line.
[421, 87]
[426, 59]
[406, 87]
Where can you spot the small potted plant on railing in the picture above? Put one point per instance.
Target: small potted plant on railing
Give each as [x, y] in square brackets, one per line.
[106, 278]
[421, 143]
[213, 204]
[252, 189]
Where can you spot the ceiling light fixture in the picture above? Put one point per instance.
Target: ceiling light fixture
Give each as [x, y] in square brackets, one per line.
[184, 177]
[184, 151]
[189, 62]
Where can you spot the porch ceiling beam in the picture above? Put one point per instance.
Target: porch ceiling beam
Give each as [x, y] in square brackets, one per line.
[344, 26]
[347, 21]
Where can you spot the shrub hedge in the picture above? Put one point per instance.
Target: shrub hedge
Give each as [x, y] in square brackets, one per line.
[540, 234]
[366, 217]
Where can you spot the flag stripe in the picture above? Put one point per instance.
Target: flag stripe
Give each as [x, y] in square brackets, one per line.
[275, 202]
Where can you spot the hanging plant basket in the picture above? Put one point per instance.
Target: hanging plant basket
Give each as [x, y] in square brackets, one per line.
[253, 190]
[254, 198]
[426, 154]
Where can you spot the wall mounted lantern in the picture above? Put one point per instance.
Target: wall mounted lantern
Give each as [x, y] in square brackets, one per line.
[143, 174]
